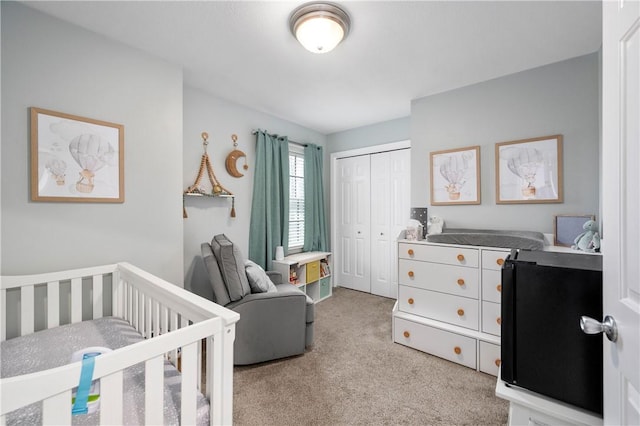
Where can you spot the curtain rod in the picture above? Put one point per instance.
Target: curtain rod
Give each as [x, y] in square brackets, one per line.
[275, 136]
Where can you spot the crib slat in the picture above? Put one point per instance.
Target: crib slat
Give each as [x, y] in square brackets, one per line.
[76, 300]
[148, 330]
[26, 310]
[141, 305]
[97, 296]
[173, 355]
[153, 392]
[53, 304]
[57, 409]
[156, 318]
[189, 384]
[111, 399]
[3, 319]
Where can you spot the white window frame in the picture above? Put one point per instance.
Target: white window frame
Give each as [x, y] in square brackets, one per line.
[296, 151]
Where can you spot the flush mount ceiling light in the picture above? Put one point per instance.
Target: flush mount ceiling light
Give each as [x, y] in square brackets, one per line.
[319, 27]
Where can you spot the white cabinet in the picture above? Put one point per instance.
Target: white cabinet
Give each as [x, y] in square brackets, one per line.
[449, 302]
[310, 271]
[372, 208]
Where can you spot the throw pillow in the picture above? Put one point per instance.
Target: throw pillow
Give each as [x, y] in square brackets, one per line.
[231, 265]
[258, 279]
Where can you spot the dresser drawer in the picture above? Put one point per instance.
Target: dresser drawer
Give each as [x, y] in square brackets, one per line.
[492, 285]
[489, 358]
[494, 259]
[450, 346]
[455, 310]
[456, 280]
[439, 254]
[491, 318]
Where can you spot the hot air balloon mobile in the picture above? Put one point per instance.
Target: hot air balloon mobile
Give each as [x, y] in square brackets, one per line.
[57, 168]
[524, 163]
[92, 153]
[454, 170]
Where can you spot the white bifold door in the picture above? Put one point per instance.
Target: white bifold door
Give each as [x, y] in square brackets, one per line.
[373, 208]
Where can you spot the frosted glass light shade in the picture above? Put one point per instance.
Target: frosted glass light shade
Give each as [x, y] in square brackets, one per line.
[319, 27]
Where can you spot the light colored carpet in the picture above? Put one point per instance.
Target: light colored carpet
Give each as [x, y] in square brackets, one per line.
[355, 374]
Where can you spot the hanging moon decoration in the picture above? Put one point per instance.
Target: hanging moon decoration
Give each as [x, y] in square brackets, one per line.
[232, 159]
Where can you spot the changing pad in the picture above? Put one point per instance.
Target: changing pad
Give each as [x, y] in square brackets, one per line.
[52, 348]
[490, 238]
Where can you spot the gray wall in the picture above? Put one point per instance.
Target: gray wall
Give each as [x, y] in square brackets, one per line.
[210, 216]
[560, 98]
[50, 64]
[375, 134]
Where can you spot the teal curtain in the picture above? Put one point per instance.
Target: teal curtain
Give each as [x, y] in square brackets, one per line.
[315, 225]
[270, 201]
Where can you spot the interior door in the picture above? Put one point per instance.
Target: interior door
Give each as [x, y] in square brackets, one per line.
[621, 208]
[353, 257]
[381, 240]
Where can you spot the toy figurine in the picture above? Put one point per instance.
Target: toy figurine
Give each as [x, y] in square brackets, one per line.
[589, 240]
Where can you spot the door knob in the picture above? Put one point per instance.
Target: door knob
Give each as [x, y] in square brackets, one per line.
[608, 327]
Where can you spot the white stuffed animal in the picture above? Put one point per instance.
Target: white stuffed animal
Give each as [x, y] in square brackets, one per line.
[435, 225]
[589, 240]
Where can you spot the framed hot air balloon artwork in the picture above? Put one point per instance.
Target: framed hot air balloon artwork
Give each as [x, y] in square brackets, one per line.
[529, 171]
[76, 159]
[455, 176]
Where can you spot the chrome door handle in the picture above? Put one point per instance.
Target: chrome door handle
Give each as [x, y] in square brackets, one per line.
[608, 327]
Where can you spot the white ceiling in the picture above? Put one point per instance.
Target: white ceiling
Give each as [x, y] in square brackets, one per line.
[397, 51]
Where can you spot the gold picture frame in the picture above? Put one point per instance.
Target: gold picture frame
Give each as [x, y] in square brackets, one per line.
[75, 159]
[529, 171]
[455, 176]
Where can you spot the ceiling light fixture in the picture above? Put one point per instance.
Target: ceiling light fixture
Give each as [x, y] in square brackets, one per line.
[319, 27]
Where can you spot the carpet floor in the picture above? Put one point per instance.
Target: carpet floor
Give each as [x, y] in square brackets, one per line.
[355, 375]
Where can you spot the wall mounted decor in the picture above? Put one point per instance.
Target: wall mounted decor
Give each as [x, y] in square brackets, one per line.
[217, 190]
[455, 176]
[529, 171]
[76, 159]
[567, 227]
[232, 159]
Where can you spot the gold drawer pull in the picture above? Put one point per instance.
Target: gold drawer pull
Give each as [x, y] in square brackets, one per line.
[457, 350]
[410, 252]
[499, 320]
[410, 301]
[500, 261]
[497, 362]
[499, 288]
[410, 273]
[460, 312]
[460, 257]
[460, 282]
[406, 334]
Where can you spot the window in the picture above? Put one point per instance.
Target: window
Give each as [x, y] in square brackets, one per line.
[296, 197]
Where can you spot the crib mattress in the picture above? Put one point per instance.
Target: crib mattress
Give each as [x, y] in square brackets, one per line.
[52, 348]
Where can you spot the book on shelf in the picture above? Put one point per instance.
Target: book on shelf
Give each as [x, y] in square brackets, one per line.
[325, 270]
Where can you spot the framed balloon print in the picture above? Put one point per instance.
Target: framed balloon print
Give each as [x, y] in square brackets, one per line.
[529, 171]
[455, 176]
[76, 159]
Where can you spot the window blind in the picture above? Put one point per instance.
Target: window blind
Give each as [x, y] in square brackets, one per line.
[296, 197]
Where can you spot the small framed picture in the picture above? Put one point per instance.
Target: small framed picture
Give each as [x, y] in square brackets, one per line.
[455, 176]
[568, 227]
[76, 159]
[529, 171]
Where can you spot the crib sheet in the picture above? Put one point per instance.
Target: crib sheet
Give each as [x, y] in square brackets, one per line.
[52, 348]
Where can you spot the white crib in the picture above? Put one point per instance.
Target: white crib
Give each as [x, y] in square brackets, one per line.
[172, 320]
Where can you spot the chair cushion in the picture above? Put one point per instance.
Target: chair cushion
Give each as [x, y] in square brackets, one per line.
[220, 293]
[231, 265]
[258, 279]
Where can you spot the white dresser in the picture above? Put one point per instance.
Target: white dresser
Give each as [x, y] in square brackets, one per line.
[449, 302]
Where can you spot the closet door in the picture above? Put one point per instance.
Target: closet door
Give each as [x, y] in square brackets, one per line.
[354, 222]
[390, 192]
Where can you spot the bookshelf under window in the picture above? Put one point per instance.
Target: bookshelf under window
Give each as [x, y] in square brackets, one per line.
[309, 271]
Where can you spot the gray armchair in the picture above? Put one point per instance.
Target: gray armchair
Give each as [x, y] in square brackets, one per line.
[273, 324]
